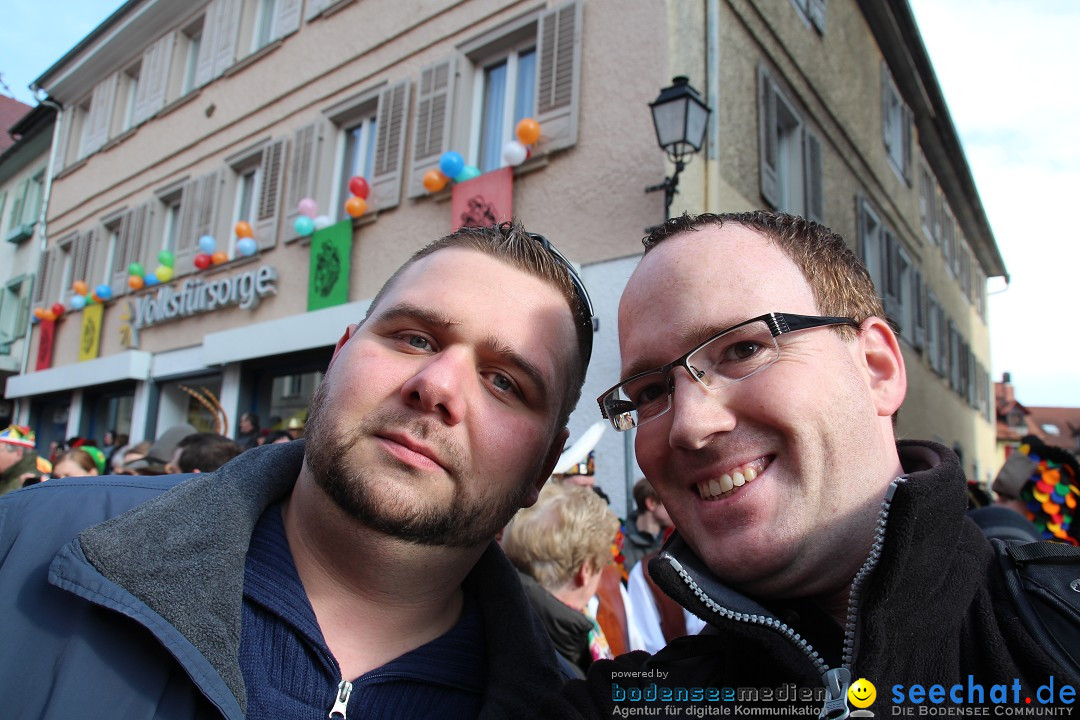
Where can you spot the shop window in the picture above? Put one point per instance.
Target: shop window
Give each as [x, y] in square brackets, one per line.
[790, 154]
[469, 101]
[896, 125]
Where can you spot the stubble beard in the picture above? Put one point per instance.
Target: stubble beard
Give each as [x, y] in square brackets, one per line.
[466, 521]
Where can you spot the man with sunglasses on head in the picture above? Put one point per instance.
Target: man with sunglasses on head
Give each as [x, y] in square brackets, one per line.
[761, 379]
[350, 574]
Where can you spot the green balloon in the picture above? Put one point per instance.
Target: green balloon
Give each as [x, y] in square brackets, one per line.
[165, 258]
[135, 269]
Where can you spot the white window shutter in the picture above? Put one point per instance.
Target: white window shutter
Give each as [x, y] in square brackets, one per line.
[891, 258]
[227, 36]
[907, 119]
[18, 197]
[558, 76]
[198, 214]
[41, 282]
[315, 8]
[816, 11]
[81, 262]
[65, 117]
[385, 177]
[204, 64]
[886, 106]
[303, 169]
[434, 111]
[269, 209]
[815, 177]
[153, 79]
[97, 122]
[767, 139]
[288, 17]
[918, 292]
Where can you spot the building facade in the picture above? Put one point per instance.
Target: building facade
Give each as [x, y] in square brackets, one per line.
[182, 119]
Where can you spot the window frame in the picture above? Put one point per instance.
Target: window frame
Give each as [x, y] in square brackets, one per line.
[790, 157]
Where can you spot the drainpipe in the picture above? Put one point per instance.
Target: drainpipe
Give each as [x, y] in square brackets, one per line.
[712, 97]
[42, 230]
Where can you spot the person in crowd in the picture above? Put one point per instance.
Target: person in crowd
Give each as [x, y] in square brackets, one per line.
[202, 452]
[645, 528]
[249, 429]
[82, 461]
[278, 436]
[561, 546]
[762, 379]
[352, 573]
[128, 453]
[157, 459]
[1040, 482]
[18, 461]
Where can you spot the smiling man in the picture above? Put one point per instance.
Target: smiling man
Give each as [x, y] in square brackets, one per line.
[351, 574]
[762, 381]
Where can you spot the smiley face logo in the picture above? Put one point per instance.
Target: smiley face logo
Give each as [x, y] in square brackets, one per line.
[862, 693]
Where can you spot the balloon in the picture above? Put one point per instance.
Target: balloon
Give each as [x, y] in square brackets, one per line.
[91, 298]
[323, 221]
[219, 257]
[203, 260]
[243, 229]
[163, 273]
[246, 246]
[467, 173]
[104, 292]
[166, 258]
[308, 207]
[451, 163]
[150, 280]
[435, 181]
[58, 309]
[135, 269]
[136, 282]
[80, 287]
[39, 313]
[207, 244]
[48, 315]
[514, 153]
[528, 131]
[355, 206]
[358, 186]
[304, 225]
[78, 302]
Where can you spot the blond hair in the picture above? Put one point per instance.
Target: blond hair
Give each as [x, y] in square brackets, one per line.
[568, 527]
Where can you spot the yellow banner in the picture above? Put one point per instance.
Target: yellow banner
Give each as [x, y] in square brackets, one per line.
[90, 338]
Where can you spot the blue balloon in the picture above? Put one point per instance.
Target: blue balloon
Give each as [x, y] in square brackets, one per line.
[246, 246]
[150, 280]
[451, 163]
[303, 225]
[103, 291]
[78, 302]
[207, 244]
[467, 173]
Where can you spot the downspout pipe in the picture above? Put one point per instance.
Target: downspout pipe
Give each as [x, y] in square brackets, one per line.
[42, 231]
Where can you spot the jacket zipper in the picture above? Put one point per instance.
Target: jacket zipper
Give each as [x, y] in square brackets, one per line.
[341, 700]
[836, 680]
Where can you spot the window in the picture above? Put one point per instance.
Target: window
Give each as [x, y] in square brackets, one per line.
[170, 221]
[933, 333]
[14, 308]
[469, 101]
[129, 90]
[948, 238]
[126, 239]
[980, 291]
[898, 282]
[791, 156]
[928, 202]
[264, 24]
[193, 210]
[247, 188]
[896, 125]
[95, 130]
[964, 264]
[26, 201]
[220, 34]
[357, 141]
[871, 245]
[813, 12]
[256, 193]
[190, 45]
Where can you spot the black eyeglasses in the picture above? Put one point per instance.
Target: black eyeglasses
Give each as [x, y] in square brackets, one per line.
[579, 286]
[727, 357]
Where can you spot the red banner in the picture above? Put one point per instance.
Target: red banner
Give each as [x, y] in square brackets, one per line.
[45, 345]
[485, 200]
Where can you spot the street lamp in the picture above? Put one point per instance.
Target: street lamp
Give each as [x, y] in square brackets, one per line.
[681, 119]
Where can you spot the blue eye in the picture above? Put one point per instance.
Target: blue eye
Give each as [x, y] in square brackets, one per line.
[420, 342]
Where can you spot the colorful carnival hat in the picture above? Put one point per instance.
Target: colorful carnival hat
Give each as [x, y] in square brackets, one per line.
[1052, 492]
[18, 435]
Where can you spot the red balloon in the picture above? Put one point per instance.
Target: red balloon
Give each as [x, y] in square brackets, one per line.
[58, 309]
[359, 186]
[203, 261]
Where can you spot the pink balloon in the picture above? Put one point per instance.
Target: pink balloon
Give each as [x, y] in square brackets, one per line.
[308, 207]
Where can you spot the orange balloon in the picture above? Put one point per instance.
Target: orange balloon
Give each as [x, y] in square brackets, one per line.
[243, 229]
[528, 131]
[219, 257]
[135, 282]
[48, 315]
[355, 206]
[39, 313]
[80, 287]
[435, 181]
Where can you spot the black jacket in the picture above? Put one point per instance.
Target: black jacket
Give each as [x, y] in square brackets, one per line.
[121, 597]
[567, 628]
[929, 608]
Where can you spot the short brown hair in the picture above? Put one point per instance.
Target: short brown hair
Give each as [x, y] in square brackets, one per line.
[511, 243]
[841, 285]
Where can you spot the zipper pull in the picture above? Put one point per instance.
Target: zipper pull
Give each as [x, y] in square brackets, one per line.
[837, 682]
[341, 702]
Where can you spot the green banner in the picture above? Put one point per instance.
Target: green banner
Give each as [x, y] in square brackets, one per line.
[328, 279]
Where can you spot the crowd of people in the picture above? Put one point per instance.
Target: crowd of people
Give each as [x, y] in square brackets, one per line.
[412, 556]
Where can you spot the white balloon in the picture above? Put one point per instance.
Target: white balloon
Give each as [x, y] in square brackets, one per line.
[514, 153]
[323, 221]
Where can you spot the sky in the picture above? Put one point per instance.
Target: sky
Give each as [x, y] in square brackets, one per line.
[1009, 70]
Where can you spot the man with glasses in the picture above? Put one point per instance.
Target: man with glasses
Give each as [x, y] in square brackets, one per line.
[761, 381]
[349, 574]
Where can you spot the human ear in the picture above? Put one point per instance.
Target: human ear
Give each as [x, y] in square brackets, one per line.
[884, 365]
[341, 342]
[553, 454]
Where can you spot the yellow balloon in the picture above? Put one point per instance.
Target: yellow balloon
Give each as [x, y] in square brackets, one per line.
[163, 274]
